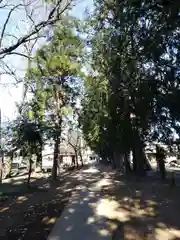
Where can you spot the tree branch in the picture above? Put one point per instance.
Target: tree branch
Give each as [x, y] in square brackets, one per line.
[6, 22]
[52, 18]
[9, 71]
[16, 53]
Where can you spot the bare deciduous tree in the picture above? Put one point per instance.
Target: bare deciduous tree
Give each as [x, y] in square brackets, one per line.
[74, 139]
[25, 23]
[37, 15]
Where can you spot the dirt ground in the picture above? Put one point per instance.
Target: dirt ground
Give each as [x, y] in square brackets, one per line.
[32, 214]
[137, 209]
[144, 209]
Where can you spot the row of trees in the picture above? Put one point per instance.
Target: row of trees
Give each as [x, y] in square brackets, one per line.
[52, 86]
[130, 85]
[131, 97]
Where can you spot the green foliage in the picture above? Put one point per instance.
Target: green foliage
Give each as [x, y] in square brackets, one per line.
[94, 115]
[54, 81]
[131, 85]
[134, 46]
[56, 70]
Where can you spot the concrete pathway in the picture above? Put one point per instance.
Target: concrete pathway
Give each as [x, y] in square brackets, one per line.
[83, 218]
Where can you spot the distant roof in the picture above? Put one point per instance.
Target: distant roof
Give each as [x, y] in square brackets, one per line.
[65, 149]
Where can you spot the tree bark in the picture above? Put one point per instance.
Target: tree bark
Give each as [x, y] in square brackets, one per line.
[80, 154]
[39, 157]
[11, 159]
[160, 157]
[1, 169]
[118, 160]
[1, 165]
[58, 96]
[140, 162]
[139, 155]
[76, 158]
[56, 156]
[113, 163]
[162, 168]
[73, 160]
[29, 172]
[134, 161]
[147, 164]
[127, 163]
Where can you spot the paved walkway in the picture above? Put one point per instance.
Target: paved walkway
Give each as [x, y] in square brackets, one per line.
[83, 218]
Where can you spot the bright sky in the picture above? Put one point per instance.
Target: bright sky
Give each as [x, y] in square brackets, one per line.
[9, 94]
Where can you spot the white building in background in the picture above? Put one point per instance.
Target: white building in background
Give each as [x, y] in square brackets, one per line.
[67, 151]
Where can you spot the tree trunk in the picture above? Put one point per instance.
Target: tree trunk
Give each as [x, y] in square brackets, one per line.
[127, 163]
[29, 172]
[139, 155]
[81, 158]
[118, 160]
[140, 162]
[173, 182]
[1, 169]
[1, 165]
[76, 159]
[147, 164]
[134, 161]
[56, 156]
[58, 121]
[162, 169]
[73, 160]
[113, 163]
[11, 159]
[39, 157]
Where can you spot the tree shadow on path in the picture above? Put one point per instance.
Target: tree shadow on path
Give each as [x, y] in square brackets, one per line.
[146, 209]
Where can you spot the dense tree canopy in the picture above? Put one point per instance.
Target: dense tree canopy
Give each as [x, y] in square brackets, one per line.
[125, 58]
[109, 83]
[135, 48]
